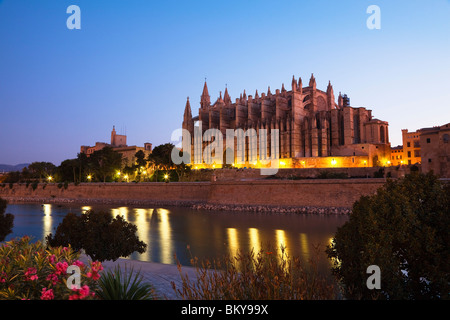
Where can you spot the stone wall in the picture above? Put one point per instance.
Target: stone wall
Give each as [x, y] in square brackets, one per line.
[289, 193]
[235, 174]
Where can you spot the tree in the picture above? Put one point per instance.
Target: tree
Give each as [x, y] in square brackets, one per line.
[161, 158]
[41, 169]
[403, 229]
[68, 170]
[101, 236]
[6, 221]
[106, 162]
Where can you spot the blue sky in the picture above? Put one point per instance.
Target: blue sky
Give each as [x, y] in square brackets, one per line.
[133, 63]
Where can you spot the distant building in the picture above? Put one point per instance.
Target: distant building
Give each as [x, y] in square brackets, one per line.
[119, 144]
[411, 147]
[314, 130]
[397, 156]
[435, 150]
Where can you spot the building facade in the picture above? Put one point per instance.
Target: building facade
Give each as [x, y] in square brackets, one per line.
[119, 144]
[314, 130]
[397, 156]
[411, 147]
[435, 150]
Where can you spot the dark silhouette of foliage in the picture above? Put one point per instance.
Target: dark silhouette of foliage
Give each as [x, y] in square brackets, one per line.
[101, 236]
[6, 220]
[404, 229]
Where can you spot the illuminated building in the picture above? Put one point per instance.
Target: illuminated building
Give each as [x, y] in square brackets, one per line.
[314, 130]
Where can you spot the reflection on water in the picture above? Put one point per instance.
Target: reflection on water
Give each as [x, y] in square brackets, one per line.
[47, 220]
[168, 231]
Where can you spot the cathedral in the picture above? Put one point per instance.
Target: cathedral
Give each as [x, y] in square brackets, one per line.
[313, 130]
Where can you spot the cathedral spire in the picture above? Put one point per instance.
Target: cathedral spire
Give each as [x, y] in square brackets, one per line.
[226, 97]
[294, 84]
[187, 109]
[312, 82]
[188, 124]
[330, 96]
[205, 100]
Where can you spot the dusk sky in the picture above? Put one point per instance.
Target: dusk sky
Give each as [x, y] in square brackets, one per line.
[133, 64]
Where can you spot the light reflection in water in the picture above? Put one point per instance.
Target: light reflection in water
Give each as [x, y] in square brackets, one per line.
[232, 241]
[86, 208]
[143, 228]
[167, 232]
[282, 244]
[304, 246]
[122, 211]
[165, 235]
[255, 242]
[47, 219]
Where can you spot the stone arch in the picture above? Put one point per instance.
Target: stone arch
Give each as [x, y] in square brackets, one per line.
[321, 103]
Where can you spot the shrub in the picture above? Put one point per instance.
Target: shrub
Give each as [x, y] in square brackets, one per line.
[265, 275]
[6, 220]
[101, 236]
[119, 285]
[29, 271]
[404, 229]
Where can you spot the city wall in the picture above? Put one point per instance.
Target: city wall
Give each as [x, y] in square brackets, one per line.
[267, 192]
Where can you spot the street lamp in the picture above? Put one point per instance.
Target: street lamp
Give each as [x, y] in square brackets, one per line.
[166, 177]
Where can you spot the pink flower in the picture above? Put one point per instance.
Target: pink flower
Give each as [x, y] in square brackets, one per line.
[47, 294]
[52, 258]
[96, 266]
[53, 278]
[30, 274]
[61, 267]
[78, 263]
[81, 293]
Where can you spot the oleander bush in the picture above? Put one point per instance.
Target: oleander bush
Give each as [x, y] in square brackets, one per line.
[269, 274]
[30, 271]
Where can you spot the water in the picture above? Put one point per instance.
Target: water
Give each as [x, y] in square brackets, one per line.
[209, 234]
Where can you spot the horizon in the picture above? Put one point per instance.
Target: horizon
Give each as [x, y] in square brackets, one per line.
[132, 65]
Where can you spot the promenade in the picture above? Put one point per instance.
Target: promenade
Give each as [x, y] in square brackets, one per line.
[159, 275]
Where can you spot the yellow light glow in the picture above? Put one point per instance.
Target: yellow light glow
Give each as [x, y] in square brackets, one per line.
[89, 177]
[282, 163]
[166, 176]
[118, 173]
[333, 162]
[50, 178]
[213, 165]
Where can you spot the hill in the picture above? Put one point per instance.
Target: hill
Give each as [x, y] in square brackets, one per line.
[8, 167]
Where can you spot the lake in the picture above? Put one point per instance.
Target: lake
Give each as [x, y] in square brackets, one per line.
[209, 234]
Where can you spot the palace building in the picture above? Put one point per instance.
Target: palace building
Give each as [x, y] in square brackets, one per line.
[314, 129]
[119, 144]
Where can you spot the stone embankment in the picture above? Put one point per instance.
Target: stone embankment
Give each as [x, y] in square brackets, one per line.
[318, 196]
[272, 209]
